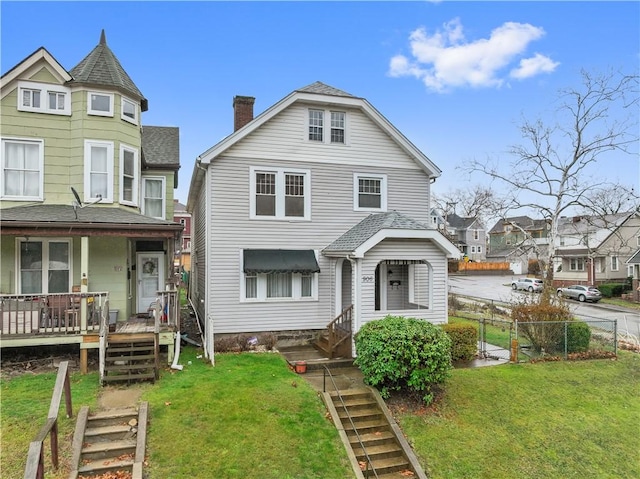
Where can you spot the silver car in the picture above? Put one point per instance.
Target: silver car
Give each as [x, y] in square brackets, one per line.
[533, 285]
[581, 293]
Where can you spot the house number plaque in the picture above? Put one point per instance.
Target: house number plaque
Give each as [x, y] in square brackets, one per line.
[367, 279]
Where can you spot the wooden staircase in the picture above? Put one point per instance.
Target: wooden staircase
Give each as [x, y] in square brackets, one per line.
[376, 442]
[335, 340]
[109, 441]
[131, 357]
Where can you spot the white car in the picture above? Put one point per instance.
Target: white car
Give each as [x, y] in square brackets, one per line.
[533, 285]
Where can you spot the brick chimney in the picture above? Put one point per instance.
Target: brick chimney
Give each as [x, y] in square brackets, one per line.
[242, 111]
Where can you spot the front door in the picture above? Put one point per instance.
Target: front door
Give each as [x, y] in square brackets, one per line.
[150, 269]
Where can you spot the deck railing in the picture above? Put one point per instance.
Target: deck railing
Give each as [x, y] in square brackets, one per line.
[55, 313]
[34, 468]
[340, 331]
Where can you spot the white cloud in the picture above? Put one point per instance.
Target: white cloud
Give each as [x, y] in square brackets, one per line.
[445, 60]
[533, 66]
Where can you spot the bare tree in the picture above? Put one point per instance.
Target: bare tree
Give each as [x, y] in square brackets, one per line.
[475, 202]
[610, 200]
[549, 174]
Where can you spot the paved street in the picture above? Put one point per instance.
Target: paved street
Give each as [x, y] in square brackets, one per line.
[498, 288]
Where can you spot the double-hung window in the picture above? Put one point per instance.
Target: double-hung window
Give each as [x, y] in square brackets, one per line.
[98, 170]
[44, 98]
[576, 264]
[44, 266]
[337, 126]
[129, 111]
[153, 197]
[99, 103]
[369, 192]
[22, 164]
[128, 175]
[280, 193]
[614, 263]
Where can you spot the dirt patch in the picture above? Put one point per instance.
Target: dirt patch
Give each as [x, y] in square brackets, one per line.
[111, 397]
[42, 359]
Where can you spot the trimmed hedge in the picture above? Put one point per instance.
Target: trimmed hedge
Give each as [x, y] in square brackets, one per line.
[611, 290]
[578, 337]
[464, 341]
[396, 353]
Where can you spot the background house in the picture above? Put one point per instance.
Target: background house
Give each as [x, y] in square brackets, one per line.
[86, 192]
[183, 252]
[469, 236]
[316, 209]
[518, 240]
[594, 249]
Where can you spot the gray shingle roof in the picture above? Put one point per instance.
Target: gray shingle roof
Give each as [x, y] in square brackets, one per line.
[101, 68]
[323, 89]
[54, 215]
[635, 259]
[161, 146]
[371, 225]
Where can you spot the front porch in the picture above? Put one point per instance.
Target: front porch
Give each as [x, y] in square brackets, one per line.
[83, 319]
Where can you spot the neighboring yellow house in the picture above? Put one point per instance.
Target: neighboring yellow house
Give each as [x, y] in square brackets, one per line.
[86, 198]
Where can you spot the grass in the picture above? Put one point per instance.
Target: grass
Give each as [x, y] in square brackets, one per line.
[533, 421]
[249, 416]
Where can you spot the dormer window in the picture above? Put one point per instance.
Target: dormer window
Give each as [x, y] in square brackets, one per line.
[44, 98]
[337, 133]
[129, 111]
[100, 104]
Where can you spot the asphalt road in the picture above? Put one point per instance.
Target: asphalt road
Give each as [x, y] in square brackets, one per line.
[498, 288]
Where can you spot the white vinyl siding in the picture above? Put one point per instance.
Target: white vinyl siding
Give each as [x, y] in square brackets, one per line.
[98, 168]
[128, 175]
[22, 169]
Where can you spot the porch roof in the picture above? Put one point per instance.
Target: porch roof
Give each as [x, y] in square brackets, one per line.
[90, 221]
[377, 227]
[572, 252]
[280, 261]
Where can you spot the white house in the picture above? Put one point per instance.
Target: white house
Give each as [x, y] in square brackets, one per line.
[316, 209]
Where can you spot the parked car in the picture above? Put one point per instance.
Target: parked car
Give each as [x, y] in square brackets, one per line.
[533, 285]
[581, 293]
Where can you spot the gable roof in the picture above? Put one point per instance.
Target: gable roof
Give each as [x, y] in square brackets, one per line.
[635, 259]
[321, 94]
[523, 222]
[461, 222]
[22, 68]
[377, 227]
[101, 68]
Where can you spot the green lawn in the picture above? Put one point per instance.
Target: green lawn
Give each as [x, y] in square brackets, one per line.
[249, 416]
[530, 421]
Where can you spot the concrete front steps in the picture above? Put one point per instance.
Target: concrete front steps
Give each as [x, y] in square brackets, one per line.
[109, 441]
[371, 436]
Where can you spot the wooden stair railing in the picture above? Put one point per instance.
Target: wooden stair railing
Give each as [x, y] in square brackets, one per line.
[339, 331]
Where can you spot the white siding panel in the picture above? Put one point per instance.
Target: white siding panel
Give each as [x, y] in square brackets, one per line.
[284, 138]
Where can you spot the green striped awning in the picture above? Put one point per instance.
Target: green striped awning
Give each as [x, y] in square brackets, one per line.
[280, 261]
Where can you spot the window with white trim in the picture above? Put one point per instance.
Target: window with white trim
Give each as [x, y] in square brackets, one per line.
[473, 249]
[280, 193]
[129, 111]
[98, 170]
[369, 192]
[576, 264]
[22, 167]
[128, 175]
[476, 234]
[337, 127]
[44, 266]
[99, 103]
[280, 286]
[153, 197]
[614, 263]
[479, 249]
[44, 98]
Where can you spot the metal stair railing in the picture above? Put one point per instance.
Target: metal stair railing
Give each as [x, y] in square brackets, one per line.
[369, 462]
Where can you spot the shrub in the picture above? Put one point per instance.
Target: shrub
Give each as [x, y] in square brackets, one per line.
[395, 353]
[611, 290]
[578, 337]
[541, 323]
[464, 341]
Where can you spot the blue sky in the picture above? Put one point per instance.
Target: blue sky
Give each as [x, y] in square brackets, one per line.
[455, 77]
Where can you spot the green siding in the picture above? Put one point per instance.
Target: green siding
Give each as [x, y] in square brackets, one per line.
[108, 270]
[7, 264]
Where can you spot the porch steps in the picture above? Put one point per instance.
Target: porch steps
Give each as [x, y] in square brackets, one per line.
[371, 433]
[130, 358]
[109, 441]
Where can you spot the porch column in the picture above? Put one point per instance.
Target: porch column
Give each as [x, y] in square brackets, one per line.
[356, 268]
[84, 288]
[338, 287]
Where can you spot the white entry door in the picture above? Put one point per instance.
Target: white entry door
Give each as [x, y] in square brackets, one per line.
[150, 269]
